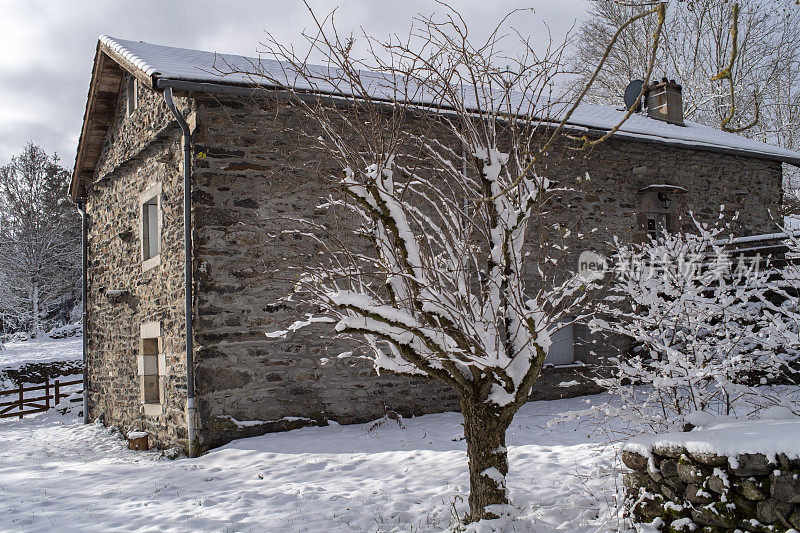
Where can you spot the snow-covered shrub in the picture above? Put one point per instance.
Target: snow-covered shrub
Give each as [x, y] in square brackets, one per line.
[703, 329]
[781, 315]
[19, 336]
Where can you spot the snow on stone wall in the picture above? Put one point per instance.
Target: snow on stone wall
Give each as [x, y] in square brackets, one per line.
[742, 476]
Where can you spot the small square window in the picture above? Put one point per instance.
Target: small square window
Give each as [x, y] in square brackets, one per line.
[131, 96]
[656, 224]
[151, 230]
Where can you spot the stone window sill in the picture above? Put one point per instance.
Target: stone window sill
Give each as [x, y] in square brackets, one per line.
[153, 409]
[151, 263]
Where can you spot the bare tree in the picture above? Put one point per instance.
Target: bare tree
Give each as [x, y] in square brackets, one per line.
[760, 84]
[39, 240]
[438, 141]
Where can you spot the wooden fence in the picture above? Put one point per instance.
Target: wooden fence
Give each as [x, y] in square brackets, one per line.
[22, 405]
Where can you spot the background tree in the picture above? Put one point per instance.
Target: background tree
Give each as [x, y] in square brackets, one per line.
[39, 241]
[697, 46]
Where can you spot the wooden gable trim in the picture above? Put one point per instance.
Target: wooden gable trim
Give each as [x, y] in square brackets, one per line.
[147, 81]
[108, 71]
[98, 116]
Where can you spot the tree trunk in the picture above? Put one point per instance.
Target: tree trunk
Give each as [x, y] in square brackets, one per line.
[36, 327]
[485, 434]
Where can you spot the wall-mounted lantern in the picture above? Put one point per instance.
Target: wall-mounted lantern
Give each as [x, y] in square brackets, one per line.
[664, 199]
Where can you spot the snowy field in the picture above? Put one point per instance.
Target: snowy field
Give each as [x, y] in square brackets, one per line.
[20, 353]
[40, 351]
[57, 474]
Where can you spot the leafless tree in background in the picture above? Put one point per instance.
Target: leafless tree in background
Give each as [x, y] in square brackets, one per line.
[697, 47]
[39, 241]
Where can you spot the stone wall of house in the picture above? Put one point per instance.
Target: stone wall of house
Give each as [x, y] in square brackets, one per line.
[141, 150]
[600, 197]
[258, 163]
[690, 491]
[257, 167]
[606, 200]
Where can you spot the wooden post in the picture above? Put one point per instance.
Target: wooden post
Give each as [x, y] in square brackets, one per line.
[57, 394]
[47, 394]
[21, 398]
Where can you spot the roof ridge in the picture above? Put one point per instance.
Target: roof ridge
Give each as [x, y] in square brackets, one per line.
[198, 67]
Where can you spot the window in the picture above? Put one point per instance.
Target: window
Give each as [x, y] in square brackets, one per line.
[131, 96]
[656, 224]
[150, 226]
[151, 363]
[150, 382]
[151, 240]
[562, 349]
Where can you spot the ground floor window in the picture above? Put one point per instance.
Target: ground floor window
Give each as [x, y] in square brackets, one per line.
[152, 389]
[151, 368]
[562, 349]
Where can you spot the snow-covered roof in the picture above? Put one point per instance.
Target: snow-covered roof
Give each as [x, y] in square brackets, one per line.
[162, 63]
[160, 66]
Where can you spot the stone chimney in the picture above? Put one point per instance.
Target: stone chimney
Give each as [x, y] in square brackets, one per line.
[664, 101]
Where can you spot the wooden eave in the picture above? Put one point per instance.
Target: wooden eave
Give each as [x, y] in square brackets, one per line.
[108, 71]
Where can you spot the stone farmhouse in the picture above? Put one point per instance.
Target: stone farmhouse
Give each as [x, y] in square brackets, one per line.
[198, 364]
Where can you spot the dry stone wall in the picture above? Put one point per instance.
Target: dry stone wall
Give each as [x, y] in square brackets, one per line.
[688, 491]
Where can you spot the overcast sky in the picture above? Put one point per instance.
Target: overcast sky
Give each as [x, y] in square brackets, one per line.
[48, 45]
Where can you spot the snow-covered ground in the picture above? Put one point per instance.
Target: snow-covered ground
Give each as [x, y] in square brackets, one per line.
[45, 350]
[57, 474]
[18, 353]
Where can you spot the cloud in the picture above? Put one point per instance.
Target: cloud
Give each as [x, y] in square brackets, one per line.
[49, 45]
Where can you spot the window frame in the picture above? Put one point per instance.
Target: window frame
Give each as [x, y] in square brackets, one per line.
[146, 198]
[151, 331]
[131, 96]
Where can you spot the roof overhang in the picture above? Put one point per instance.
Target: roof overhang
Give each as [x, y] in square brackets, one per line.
[108, 71]
[112, 62]
[98, 116]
